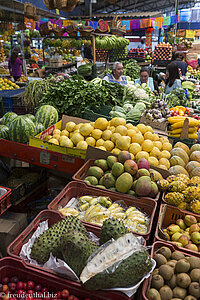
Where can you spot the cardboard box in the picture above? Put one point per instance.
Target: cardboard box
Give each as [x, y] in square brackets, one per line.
[11, 225]
[154, 124]
[39, 142]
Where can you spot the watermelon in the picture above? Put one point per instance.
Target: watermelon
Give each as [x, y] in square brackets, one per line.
[46, 115]
[39, 128]
[4, 132]
[31, 117]
[21, 128]
[8, 118]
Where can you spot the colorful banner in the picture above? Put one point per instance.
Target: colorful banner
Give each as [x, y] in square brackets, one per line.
[135, 24]
[148, 39]
[190, 34]
[158, 22]
[166, 21]
[145, 23]
[127, 23]
[174, 19]
[68, 23]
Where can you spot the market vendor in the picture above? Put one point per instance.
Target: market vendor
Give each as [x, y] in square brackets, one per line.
[172, 78]
[144, 78]
[117, 75]
[14, 64]
[181, 63]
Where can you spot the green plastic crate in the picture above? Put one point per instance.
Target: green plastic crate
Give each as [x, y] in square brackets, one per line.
[92, 116]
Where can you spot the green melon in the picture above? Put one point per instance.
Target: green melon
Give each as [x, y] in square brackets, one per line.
[31, 117]
[4, 132]
[39, 128]
[8, 118]
[21, 128]
[46, 115]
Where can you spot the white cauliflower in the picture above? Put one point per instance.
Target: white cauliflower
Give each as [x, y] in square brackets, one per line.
[140, 94]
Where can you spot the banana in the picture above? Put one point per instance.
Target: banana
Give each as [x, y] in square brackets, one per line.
[86, 198]
[93, 201]
[130, 209]
[95, 209]
[84, 206]
[119, 215]
[105, 214]
[69, 211]
[89, 210]
[117, 210]
[113, 206]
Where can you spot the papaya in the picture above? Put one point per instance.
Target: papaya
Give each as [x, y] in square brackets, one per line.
[176, 160]
[175, 170]
[183, 146]
[191, 166]
[195, 156]
[181, 153]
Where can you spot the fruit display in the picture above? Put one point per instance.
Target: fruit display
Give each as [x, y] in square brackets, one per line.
[2, 54]
[176, 126]
[111, 42]
[15, 288]
[158, 111]
[137, 53]
[95, 210]
[129, 112]
[163, 51]
[3, 71]
[122, 174]
[69, 240]
[46, 115]
[6, 84]
[183, 112]
[193, 72]
[182, 191]
[185, 232]
[177, 97]
[176, 276]
[22, 79]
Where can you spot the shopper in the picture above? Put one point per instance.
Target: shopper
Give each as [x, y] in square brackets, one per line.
[172, 78]
[144, 78]
[14, 65]
[181, 63]
[142, 44]
[117, 75]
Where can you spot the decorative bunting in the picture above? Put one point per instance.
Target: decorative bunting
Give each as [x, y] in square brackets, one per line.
[190, 34]
[127, 23]
[166, 21]
[145, 23]
[158, 22]
[174, 19]
[135, 24]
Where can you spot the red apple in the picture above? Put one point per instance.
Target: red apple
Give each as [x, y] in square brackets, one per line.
[71, 297]
[30, 292]
[5, 280]
[44, 290]
[39, 294]
[14, 279]
[21, 293]
[30, 285]
[20, 285]
[30, 298]
[59, 295]
[65, 294]
[12, 286]
[38, 287]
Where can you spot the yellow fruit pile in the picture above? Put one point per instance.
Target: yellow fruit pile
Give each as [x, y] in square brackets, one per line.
[114, 136]
[2, 54]
[6, 84]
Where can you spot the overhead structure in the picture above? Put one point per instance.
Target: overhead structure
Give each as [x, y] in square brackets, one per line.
[137, 5]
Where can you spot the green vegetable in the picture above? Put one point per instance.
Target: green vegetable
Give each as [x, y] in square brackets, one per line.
[188, 85]
[140, 105]
[134, 114]
[117, 114]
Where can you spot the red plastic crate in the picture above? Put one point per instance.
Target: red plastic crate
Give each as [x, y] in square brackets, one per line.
[5, 200]
[155, 247]
[171, 214]
[75, 189]
[82, 173]
[11, 267]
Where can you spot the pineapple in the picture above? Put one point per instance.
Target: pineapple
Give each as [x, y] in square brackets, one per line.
[183, 205]
[163, 184]
[195, 206]
[174, 198]
[191, 193]
[195, 180]
[177, 186]
[184, 178]
[171, 178]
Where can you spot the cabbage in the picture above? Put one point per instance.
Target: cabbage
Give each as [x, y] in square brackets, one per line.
[133, 114]
[141, 106]
[127, 107]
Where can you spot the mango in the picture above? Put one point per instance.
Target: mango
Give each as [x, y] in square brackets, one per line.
[124, 183]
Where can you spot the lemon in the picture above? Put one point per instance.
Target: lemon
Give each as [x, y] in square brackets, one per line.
[82, 145]
[66, 143]
[155, 152]
[162, 167]
[123, 142]
[101, 123]
[77, 137]
[153, 161]
[100, 142]
[149, 129]
[114, 136]
[134, 148]
[142, 154]
[90, 141]
[117, 121]
[102, 148]
[56, 136]
[73, 132]
[155, 137]
[76, 127]
[115, 151]
[53, 141]
[142, 128]
[132, 156]
[48, 137]
[131, 132]
[109, 145]
[148, 136]
[64, 132]
[92, 124]
[147, 146]
[164, 161]
[96, 134]
[111, 128]
[63, 138]
[167, 146]
[164, 139]
[70, 126]
[121, 130]
[56, 131]
[85, 129]
[106, 135]
[165, 154]
[138, 138]
[129, 126]
[158, 144]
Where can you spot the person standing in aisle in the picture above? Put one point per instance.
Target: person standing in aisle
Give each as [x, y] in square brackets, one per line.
[14, 64]
[117, 74]
[172, 78]
[181, 63]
